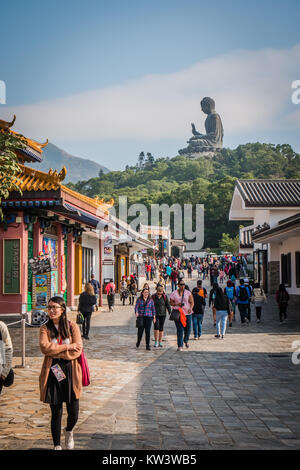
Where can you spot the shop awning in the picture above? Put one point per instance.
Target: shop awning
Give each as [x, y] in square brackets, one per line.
[83, 216]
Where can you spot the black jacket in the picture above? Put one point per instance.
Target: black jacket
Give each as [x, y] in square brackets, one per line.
[222, 303]
[86, 303]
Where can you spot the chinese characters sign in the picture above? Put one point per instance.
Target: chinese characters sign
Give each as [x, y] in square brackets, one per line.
[12, 266]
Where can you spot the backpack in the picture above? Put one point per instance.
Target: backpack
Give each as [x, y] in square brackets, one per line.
[201, 295]
[243, 294]
[229, 292]
[111, 291]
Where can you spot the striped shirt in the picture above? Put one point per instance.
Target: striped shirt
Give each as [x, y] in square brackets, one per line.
[145, 309]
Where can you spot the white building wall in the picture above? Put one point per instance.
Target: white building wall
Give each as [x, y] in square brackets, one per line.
[291, 245]
[92, 241]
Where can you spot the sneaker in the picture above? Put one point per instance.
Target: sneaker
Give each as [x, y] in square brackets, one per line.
[137, 345]
[257, 321]
[187, 345]
[179, 349]
[57, 448]
[217, 336]
[148, 348]
[86, 337]
[156, 344]
[69, 439]
[199, 337]
[195, 338]
[160, 345]
[222, 337]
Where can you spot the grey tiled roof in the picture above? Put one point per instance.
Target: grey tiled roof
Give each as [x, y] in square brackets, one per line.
[270, 193]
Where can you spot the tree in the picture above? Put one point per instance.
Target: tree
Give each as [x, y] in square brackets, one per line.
[9, 166]
[101, 173]
[141, 159]
[230, 244]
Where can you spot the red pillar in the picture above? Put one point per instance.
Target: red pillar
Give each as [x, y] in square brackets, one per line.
[60, 253]
[37, 239]
[100, 271]
[71, 268]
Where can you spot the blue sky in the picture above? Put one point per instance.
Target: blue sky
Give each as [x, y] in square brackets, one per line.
[113, 64]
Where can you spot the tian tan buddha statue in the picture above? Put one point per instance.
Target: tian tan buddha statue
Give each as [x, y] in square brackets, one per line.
[210, 142]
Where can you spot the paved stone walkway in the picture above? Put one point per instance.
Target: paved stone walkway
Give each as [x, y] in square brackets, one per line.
[242, 392]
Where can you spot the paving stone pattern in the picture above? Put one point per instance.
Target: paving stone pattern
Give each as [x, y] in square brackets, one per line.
[242, 392]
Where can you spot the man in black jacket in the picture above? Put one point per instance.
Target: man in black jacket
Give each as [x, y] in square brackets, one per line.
[161, 304]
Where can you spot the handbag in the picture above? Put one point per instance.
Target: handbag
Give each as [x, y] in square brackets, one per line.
[175, 313]
[79, 319]
[139, 322]
[86, 380]
[9, 379]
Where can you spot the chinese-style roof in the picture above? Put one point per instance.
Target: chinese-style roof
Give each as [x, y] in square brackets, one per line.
[270, 193]
[35, 180]
[32, 150]
[30, 179]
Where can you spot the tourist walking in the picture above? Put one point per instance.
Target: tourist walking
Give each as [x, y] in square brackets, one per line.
[282, 298]
[223, 310]
[242, 299]
[110, 292]
[132, 290]
[145, 314]
[259, 298]
[168, 272]
[87, 300]
[96, 286]
[174, 276]
[162, 305]
[190, 270]
[248, 285]
[61, 375]
[199, 295]
[183, 298]
[7, 354]
[211, 303]
[123, 290]
[230, 292]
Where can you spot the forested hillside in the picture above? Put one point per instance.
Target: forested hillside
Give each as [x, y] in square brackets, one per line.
[204, 181]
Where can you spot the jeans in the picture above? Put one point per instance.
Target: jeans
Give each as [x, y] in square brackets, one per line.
[147, 327]
[174, 285]
[86, 324]
[243, 311]
[183, 334]
[197, 324]
[249, 311]
[147, 276]
[222, 316]
[258, 312]
[56, 416]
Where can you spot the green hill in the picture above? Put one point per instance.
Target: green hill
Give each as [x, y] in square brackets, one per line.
[208, 181]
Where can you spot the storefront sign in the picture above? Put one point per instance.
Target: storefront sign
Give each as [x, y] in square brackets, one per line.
[12, 266]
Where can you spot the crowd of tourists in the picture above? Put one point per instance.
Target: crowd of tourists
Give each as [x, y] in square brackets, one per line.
[64, 370]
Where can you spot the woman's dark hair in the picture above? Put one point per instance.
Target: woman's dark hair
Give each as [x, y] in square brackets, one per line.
[282, 288]
[63, 326]
[220, 293]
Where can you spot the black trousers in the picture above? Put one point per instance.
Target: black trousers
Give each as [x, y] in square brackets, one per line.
[282, 310]
[147, 327]
[258, 312]
[56, 416]
[86, 324]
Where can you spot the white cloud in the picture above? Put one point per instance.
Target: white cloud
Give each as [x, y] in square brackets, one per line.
[252, 90]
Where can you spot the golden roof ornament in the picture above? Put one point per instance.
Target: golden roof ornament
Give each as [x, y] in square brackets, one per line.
[5, 125]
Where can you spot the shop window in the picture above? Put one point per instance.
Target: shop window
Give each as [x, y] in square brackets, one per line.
[87, 264]
[297, 264]
[286, 270]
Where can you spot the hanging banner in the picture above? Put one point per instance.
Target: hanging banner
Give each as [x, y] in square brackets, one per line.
[63, 273]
